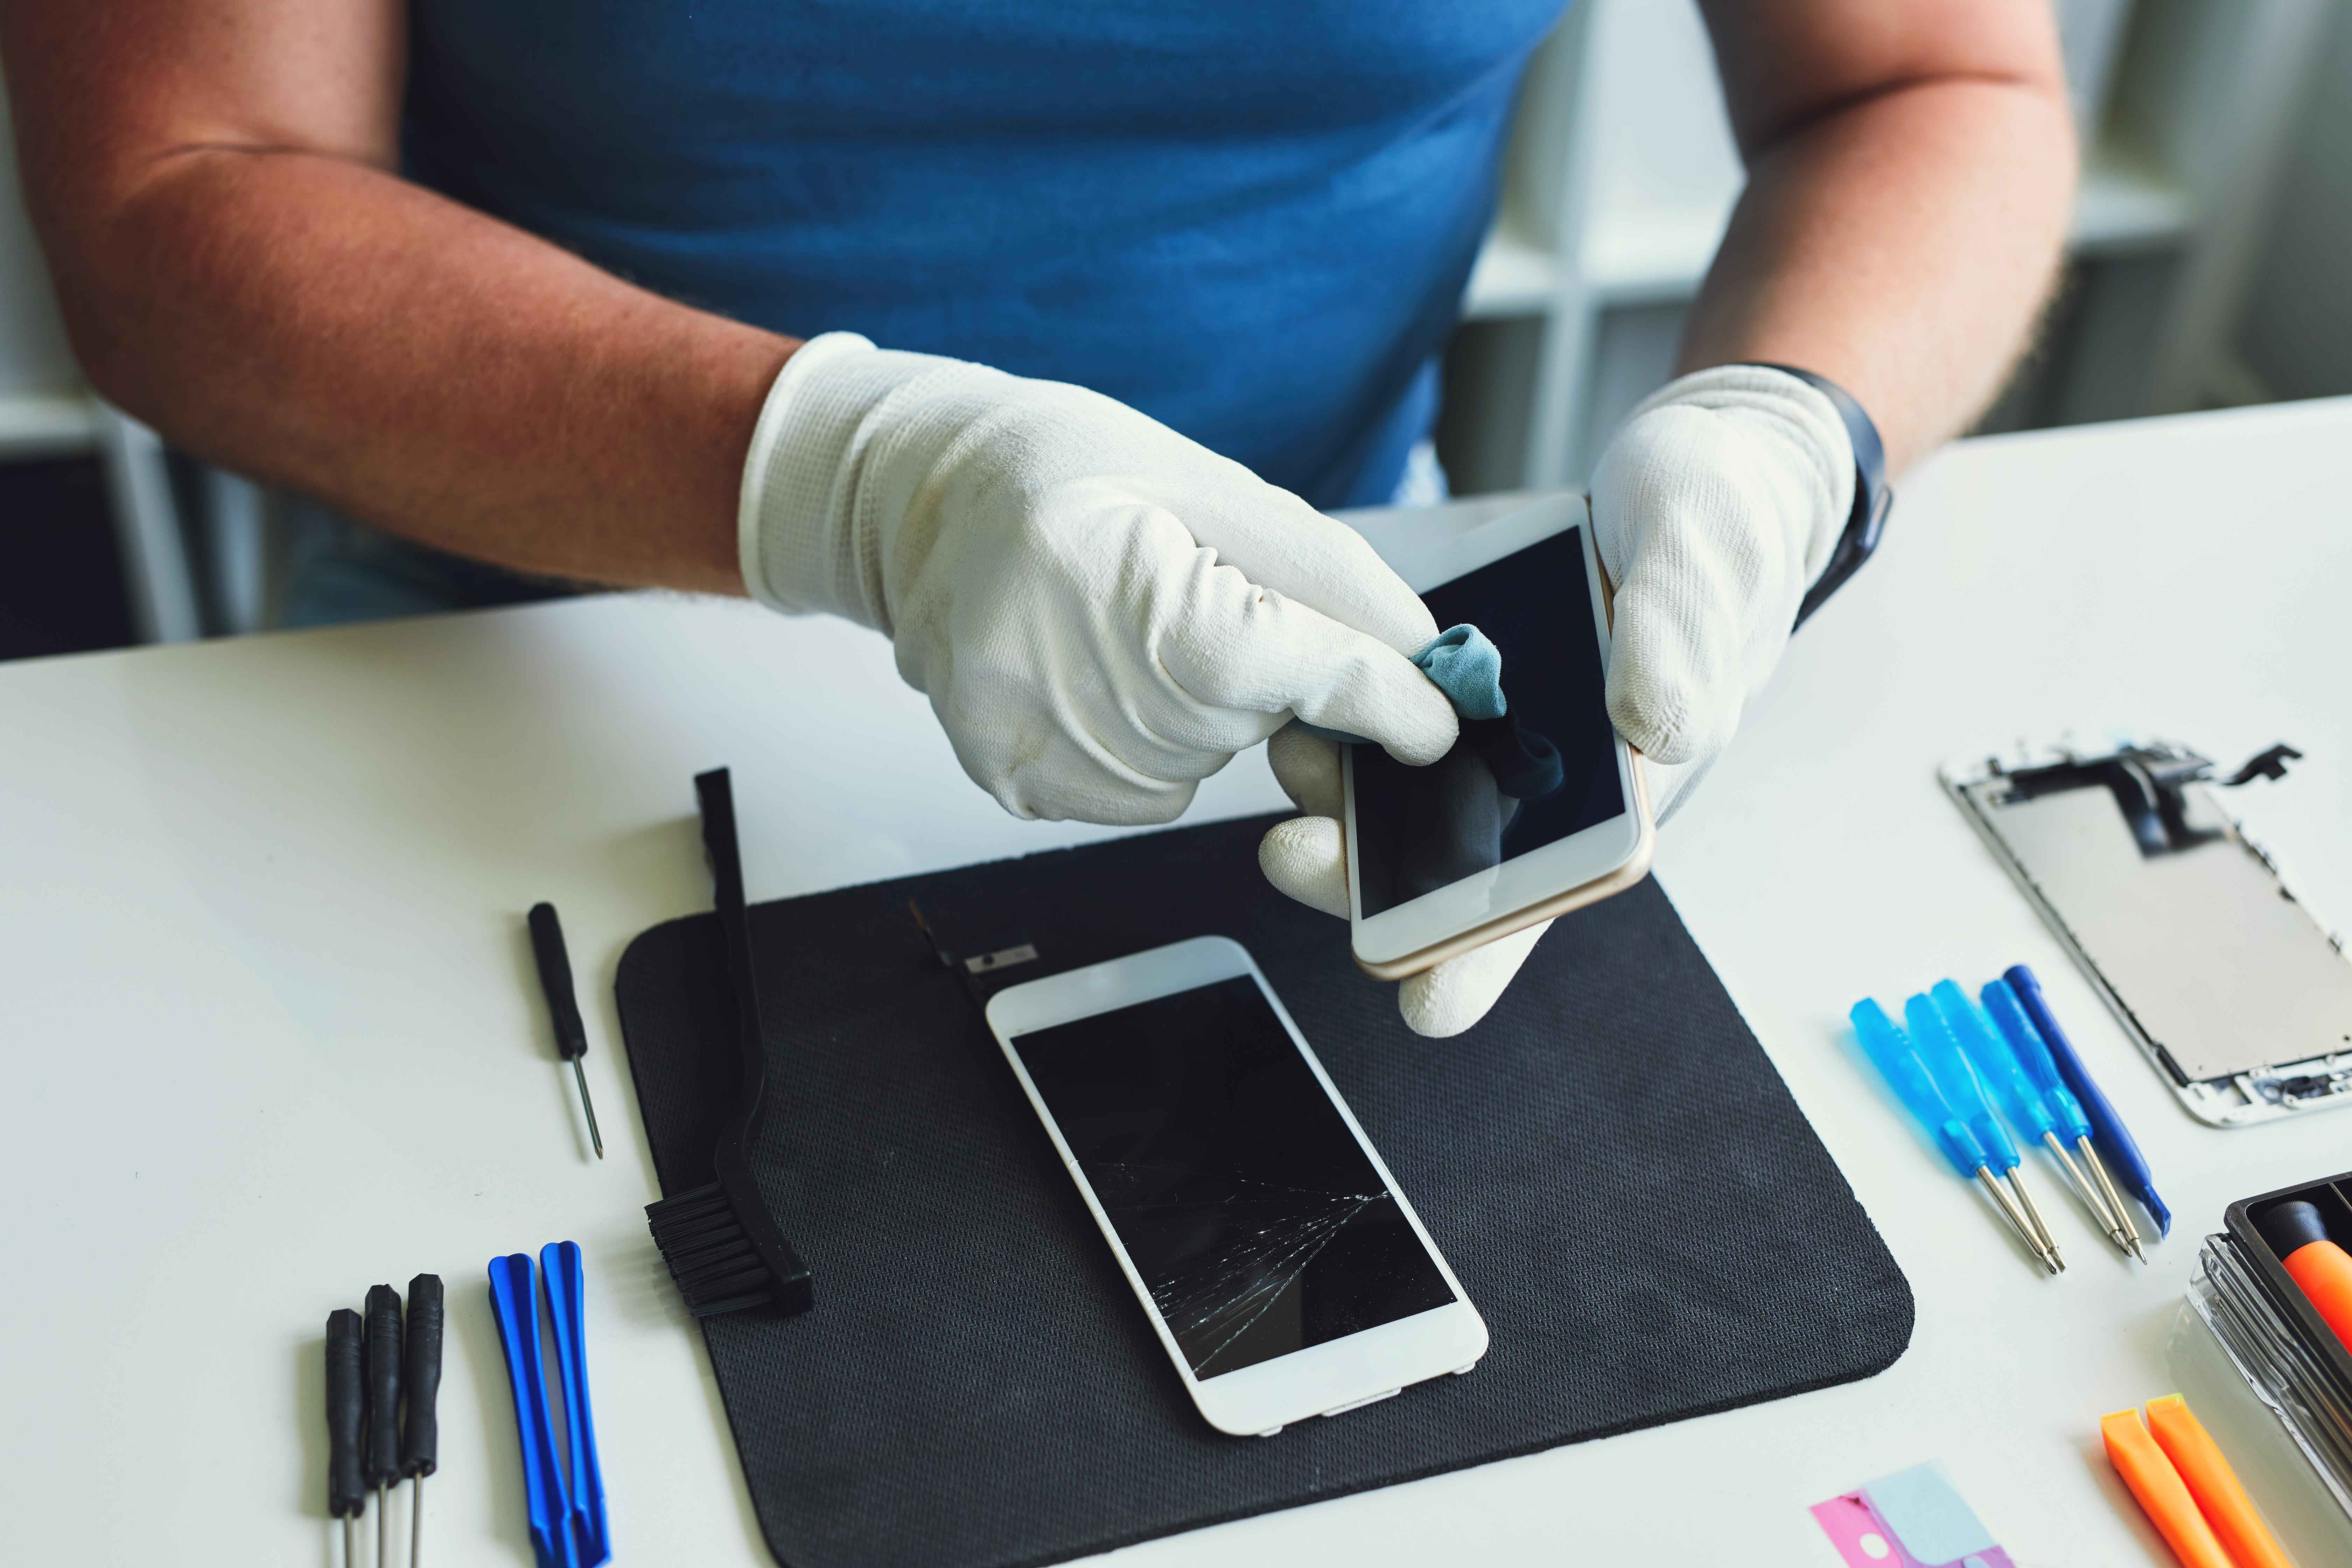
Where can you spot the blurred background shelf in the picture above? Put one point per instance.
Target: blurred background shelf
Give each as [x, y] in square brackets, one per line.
[1622, 176]
[2211, 243]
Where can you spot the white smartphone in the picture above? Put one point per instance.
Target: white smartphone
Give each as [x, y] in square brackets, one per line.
[1283, 1271]
[1530, 816]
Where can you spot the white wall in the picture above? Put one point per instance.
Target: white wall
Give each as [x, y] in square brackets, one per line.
[2298, 334]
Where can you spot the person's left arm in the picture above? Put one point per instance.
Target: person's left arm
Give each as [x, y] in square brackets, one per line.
[1911, 167]
[1910, 170]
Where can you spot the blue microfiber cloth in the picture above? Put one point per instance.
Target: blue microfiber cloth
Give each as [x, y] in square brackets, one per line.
[1468, 668]
[1465, 666]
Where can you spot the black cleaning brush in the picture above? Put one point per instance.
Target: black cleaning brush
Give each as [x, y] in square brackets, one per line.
[721, 1247]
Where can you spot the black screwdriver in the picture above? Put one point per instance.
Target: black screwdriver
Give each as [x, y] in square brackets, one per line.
[346, 1497]
[382, 1465]
[420, 1432]
[563, 1009]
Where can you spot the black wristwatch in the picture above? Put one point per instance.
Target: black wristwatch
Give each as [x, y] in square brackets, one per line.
[1872, 496]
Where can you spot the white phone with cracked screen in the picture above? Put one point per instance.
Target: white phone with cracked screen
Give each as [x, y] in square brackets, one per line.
[1283, 1271]
[1532, 815]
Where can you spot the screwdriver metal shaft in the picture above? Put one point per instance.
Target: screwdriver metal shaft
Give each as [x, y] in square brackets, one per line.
[2034, 1213]
[382, 1407]
[2094, 1200]
[2013, 1215]
[420, 1427]
[588, 1106]
[346, 1416]
[2098, 1168]
[562, 1006]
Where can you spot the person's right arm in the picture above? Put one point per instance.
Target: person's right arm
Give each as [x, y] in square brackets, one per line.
[1101, 611]
[240, 265]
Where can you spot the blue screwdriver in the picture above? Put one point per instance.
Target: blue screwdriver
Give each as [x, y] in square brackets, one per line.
[2022, 1101]
[2118, 1154]
[2002, 1002]
[1964, 1091]
[1915, 1087]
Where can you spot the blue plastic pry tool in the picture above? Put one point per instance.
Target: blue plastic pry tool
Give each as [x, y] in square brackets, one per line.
[514, 1296]
[2113, 1139]
[559, 1262]
[566, 1504]
[1907, 1075]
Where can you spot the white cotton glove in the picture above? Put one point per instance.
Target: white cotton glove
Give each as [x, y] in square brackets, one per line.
[1101, 611]
[1714, 508]
[1307, 858]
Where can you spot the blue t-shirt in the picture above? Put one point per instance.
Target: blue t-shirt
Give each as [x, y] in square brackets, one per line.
[1252, 220]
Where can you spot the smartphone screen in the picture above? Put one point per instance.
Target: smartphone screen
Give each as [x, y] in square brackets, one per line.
[1546, 769]
[1241, 1195]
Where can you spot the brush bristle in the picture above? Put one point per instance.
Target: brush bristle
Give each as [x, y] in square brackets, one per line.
[712, 1255]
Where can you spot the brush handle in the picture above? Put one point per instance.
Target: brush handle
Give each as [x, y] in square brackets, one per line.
[382, 1385]
[346, 1414]
[732, 1154]
[420, 1428]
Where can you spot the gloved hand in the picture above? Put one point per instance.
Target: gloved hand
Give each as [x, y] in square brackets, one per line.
[1307, 858]
[1714, 508]
[1101, 611]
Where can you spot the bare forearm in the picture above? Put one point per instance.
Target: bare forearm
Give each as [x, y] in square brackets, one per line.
[1903, 246]
[321, 324]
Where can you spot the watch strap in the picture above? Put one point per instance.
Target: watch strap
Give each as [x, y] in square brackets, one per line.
[1872, 495]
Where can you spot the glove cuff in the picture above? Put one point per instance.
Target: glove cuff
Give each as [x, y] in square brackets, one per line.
[800, 538]
[1804, 424]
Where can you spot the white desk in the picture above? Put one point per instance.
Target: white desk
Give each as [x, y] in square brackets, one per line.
[271, 1034]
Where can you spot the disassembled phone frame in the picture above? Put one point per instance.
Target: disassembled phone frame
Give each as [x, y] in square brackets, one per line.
[2163, 792]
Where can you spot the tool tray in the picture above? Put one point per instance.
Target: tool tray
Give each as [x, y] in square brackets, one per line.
[2332, 1198]
[1609, 1162]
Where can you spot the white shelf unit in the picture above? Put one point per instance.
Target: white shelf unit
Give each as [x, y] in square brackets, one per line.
[1622, 176]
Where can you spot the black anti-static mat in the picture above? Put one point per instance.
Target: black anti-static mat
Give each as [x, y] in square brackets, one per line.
[1609, 1162]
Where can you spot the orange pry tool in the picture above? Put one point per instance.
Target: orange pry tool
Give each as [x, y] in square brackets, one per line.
[2160, 1491]
[2213, 1484]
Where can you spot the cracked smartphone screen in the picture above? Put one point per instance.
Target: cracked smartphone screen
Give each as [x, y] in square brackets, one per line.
[1546, 769]
[1257, 1223]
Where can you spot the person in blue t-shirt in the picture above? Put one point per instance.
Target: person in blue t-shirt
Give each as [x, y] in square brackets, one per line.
[1030, 333]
